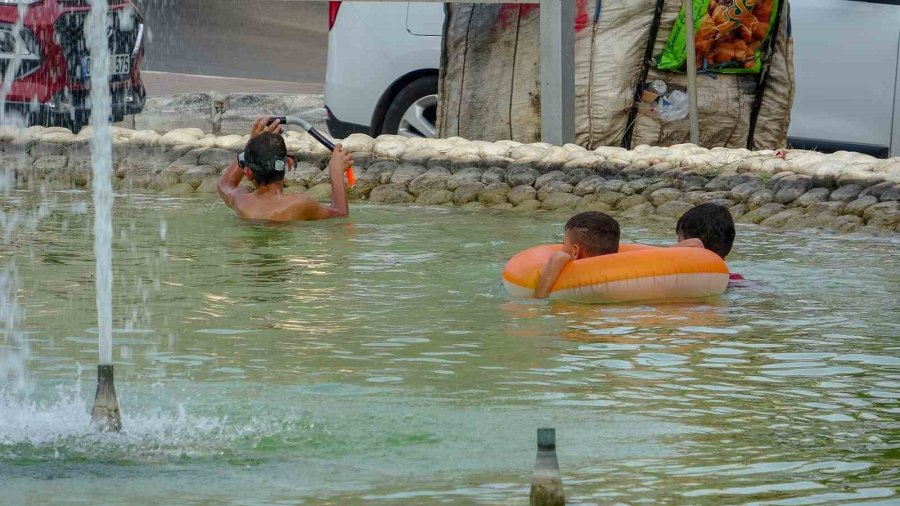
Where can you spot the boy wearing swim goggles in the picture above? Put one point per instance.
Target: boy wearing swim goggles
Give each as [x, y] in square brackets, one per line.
[264, 162]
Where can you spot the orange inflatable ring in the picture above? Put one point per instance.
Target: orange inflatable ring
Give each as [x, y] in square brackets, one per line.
[635, 273]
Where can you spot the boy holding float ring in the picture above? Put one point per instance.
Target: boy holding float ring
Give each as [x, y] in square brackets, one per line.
[587, 235]
[264, 162]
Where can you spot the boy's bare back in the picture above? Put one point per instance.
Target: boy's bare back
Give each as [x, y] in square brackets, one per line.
[278, 207]
[264, 163]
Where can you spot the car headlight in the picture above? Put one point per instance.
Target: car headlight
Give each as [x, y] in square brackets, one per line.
[19, 44]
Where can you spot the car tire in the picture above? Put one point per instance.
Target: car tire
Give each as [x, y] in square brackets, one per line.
[413, 112]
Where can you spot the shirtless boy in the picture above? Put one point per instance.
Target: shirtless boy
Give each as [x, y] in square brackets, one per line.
[264, 162]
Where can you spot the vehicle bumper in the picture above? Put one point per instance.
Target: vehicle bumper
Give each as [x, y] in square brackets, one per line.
[126, 100]
[342, 129]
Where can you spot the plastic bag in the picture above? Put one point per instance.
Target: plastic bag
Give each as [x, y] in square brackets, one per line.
[728, 35]
[674, 107]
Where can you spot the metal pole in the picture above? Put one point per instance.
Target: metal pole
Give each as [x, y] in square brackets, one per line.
[691, 69]
[558, 71]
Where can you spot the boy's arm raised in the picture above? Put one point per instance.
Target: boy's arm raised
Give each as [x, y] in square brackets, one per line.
[550, 272]
[340, 162]
[308, 209]
[228, 186]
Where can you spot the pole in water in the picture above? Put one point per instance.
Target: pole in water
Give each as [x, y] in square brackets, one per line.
[690, 67]
[546, 484]
[106, 404]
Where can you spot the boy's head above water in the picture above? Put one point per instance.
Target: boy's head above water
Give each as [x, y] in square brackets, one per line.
[266, 159]
[712, 224]
[591, 234]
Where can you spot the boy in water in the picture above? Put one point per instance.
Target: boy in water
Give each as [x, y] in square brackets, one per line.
[587, 235]
[709, 226]
[264, 163]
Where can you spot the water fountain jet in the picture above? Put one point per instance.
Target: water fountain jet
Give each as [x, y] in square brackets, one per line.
[105, 412]
[106, 405]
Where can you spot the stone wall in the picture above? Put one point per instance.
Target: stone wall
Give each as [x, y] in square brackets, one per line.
[845, 192]
[223, 113]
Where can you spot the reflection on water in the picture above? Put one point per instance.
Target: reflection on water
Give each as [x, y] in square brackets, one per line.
[380, 360]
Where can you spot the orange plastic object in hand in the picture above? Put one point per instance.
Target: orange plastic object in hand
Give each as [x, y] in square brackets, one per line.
[351, 177]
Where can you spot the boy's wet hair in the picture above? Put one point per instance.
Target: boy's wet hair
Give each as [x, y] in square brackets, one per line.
[597, 233]
[712, 224]
[262, 154]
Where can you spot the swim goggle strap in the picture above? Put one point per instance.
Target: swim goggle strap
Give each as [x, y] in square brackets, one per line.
[279, 165]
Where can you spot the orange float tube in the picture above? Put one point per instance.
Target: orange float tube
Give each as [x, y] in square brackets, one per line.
[635, 273]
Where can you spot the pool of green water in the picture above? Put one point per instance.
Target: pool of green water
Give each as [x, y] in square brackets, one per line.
[379, 360]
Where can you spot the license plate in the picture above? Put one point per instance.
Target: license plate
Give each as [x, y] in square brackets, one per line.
[119, 64]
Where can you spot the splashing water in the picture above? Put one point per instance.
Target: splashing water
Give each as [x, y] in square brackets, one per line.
[14, 345]
[43, 428]
[101, 157]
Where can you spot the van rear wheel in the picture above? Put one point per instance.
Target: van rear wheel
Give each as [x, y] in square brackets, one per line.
[413, 113]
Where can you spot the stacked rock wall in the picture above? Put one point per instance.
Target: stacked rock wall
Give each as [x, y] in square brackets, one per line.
[844, 191]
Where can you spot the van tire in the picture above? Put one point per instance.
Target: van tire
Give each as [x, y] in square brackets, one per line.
[409, 95]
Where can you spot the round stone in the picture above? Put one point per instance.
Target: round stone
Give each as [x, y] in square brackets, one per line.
[743, 191]
[738, 210]
[434, 197]
[884, 214]
[859, 205]
[813, 196]
[790, 188]
[555, 201]
[528, 205]
[762, 213]
[404, 174]
[588, 185]
[664, 195]
[521, 176]
[576, 176]
[779, 220]
[590, 203]
[613, 184]
[891, 194]
[674, 208]
[877, 190]
[760, 199]
[391, 194]
[832, 208]
[494, 175]
[645, 209]
[846, 224]
[691, 183]
[846, 193]
[494, 194]
[464, 176]
[554, 187]
[636, 186]
[700, 197]
[467, 192]
[521, 193]
[549, 177]
[630, 201]
[727, 181]
[433, 179]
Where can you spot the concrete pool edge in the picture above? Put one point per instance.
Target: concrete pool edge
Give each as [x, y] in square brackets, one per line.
[844, 192]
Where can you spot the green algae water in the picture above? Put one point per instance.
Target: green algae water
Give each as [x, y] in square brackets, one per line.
[379, 360]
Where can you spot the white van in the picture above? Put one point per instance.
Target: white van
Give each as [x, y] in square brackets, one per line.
[383, 60]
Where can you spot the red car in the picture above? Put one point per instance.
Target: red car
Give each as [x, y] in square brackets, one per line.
[52, 84]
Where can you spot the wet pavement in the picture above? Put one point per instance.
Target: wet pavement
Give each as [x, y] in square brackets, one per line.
[277, 42]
